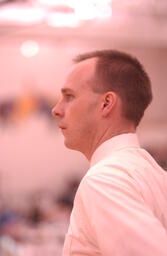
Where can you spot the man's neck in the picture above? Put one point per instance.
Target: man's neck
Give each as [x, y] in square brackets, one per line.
[106, 135]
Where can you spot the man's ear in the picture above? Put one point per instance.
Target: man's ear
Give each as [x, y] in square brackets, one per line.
[108, 103]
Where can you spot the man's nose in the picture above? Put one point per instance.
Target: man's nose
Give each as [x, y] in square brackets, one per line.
[57, 110]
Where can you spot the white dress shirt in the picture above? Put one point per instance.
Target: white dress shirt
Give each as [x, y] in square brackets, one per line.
[120, 208]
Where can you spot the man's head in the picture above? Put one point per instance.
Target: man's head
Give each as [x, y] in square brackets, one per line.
[123, 74]
[105, 94]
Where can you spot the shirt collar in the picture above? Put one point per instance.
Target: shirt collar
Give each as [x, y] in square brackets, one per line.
[113, 144]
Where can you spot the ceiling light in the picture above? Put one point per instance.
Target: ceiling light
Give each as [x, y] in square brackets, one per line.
[91, 9]
[29, 48]
[23, 15]
[62, 20]
[69, 3]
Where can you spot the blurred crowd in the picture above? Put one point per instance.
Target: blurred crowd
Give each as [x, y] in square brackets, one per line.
[14, 110]
[40, 228]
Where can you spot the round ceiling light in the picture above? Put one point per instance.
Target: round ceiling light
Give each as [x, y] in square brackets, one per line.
[29, 48]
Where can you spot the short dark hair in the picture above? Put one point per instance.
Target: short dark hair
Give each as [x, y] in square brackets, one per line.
[122, 73]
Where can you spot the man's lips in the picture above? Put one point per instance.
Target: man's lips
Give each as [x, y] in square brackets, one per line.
[62, 127]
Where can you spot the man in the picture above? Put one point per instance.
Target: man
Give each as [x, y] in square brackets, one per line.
[120, 208]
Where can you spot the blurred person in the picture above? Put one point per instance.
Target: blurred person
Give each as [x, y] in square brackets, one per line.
[11, 225]
[120, 207]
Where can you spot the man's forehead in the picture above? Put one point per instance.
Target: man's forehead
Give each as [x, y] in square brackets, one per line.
[84, 70]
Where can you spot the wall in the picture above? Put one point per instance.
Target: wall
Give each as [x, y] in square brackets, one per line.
[32, 152]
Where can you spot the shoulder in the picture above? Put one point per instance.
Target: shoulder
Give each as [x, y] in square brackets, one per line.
[108, 182]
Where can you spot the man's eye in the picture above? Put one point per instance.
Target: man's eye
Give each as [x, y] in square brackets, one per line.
[69, 96]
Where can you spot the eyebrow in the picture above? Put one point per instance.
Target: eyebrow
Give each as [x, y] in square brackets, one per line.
[66, 90]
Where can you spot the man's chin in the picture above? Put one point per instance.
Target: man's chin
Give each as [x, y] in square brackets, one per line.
[69, 145]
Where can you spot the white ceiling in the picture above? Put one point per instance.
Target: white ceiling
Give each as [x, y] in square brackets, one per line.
[140, 21]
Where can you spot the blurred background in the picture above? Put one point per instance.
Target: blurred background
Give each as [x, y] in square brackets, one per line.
[38, 40]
